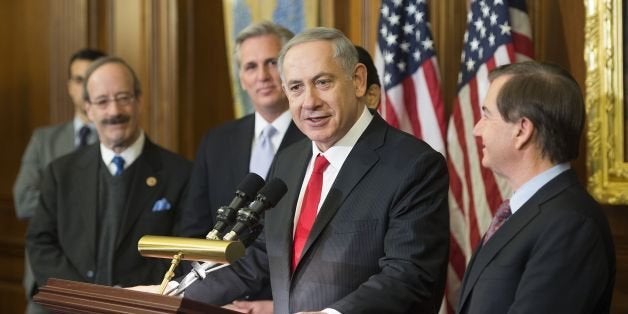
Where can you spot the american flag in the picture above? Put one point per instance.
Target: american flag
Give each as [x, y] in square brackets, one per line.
[498, 32]
[406, 63]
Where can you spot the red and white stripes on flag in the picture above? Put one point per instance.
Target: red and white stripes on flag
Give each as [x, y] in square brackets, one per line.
[498, 32]
[406, 63]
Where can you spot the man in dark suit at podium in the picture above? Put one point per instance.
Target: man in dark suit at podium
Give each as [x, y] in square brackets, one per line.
[364, 227]
[549, 248]
[227, 153]
[97, 202]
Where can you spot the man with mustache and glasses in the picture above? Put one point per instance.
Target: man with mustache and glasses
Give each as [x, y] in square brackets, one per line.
[97, 202]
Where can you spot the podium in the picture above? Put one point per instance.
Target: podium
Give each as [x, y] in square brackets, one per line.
[64, 296]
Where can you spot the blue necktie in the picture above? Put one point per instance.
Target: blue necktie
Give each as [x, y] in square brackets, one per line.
[263, 152]
[119, 162]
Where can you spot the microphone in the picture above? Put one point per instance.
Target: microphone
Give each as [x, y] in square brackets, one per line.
[249, 216]
[226, 215]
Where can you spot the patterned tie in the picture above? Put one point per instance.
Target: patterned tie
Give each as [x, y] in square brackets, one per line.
[309, 208]
[119, 162]
[263, 152]
[503, 212]
[83, 134]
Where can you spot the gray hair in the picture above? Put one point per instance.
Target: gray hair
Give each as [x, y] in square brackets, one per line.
[137, 89]
[261, 29]
[344, 50]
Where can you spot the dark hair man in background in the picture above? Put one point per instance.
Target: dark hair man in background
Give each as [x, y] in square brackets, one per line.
[373, 87]
[47, 144]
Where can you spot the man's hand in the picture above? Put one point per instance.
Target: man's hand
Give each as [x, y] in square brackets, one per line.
[251, 307]
[150, 289]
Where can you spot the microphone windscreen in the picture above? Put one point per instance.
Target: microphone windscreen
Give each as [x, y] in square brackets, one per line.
[274, 191]
[251, 184]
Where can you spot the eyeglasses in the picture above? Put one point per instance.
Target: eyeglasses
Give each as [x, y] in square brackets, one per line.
[122, 100]
[77, 79]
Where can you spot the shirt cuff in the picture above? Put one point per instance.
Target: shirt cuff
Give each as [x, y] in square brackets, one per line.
[330, 311]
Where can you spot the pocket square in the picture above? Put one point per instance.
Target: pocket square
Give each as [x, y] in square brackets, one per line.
[161, 205]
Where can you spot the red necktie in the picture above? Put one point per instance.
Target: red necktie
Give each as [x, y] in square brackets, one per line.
[503, 212]
[309, 208]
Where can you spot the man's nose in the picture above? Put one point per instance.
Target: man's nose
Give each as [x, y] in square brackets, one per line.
[311, 99]
[263, 73]
[477, 129]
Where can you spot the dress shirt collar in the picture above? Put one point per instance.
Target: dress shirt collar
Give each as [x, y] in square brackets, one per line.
[528, 189]
[78, 123]
[281, 124]
[337, 154]
[130, 154]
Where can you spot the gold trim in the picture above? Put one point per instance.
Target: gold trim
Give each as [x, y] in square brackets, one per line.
[607, 168]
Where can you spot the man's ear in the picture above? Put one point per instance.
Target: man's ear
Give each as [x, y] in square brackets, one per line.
[240, 79]
[373, 95]
[524, 132]
[88, 111]
[359, 80]
[140, 101]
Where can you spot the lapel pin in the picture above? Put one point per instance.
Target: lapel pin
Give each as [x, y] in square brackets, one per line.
[151, 181]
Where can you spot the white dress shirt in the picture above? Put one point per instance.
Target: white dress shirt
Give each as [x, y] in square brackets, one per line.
[130, 154]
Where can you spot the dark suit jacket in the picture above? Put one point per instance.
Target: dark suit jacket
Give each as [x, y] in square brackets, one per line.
[554, 255]
[62, 239]
[379, 244]
[222, 161]
[46, 144]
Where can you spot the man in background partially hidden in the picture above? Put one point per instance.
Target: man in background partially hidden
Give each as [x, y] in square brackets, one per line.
[47, 144]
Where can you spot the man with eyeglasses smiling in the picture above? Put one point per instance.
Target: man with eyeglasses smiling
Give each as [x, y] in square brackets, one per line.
[48, 143]
[97, 202]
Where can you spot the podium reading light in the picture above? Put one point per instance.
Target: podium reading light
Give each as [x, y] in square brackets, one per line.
[177, 249]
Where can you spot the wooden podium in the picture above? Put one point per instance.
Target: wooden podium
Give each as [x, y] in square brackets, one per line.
[64, 296]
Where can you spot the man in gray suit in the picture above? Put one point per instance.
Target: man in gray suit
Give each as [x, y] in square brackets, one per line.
[48, 143]
[364, 226]
[97, 202]
[549, 248]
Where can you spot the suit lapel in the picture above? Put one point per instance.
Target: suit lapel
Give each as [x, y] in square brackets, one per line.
[293, 134]
[140, 193]
[66, 141]
[358, 163]
[285, 219]
[87, 194]
[484, 255]
[240, 147]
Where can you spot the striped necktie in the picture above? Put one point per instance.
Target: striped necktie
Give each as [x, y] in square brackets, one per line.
[119, 162]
